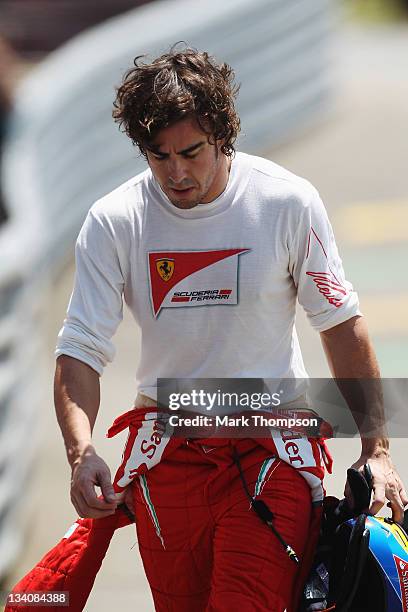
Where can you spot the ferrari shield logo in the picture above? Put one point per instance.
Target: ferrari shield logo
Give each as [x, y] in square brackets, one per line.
[165, 268]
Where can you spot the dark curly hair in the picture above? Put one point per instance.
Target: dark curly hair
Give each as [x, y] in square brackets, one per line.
[174, 86]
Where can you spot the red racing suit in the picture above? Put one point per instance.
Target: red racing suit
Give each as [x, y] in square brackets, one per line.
[202, 546]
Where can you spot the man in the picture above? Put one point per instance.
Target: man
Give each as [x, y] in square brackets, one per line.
[210, 250]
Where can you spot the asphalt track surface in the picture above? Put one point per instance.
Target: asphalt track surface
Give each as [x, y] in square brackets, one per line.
[357, 158]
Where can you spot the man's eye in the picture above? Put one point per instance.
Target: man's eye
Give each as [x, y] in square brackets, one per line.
[158, 156]
[191, 155]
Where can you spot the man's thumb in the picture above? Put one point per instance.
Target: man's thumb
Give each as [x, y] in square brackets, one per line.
[107, 488]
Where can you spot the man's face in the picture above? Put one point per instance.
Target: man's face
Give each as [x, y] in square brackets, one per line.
[189, 170]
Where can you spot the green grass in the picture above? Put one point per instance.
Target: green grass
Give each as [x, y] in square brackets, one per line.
[376, 11]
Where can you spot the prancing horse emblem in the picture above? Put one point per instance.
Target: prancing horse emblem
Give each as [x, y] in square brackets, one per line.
[165, 268]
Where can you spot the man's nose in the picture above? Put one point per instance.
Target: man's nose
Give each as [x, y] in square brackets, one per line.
[177, 170]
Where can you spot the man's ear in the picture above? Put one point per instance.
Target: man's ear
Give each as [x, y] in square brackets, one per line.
[218, 144]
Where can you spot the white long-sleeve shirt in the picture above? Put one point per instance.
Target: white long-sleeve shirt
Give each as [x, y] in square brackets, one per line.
[213, 288]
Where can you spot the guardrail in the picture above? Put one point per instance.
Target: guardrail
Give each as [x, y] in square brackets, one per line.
[21, 353]
[64, 152]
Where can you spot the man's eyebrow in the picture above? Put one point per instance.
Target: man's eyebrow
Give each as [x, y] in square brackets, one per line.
[155, 148]
[191, 148]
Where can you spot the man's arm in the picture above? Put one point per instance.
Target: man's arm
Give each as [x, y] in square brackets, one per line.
[77, 396]
[350, 355]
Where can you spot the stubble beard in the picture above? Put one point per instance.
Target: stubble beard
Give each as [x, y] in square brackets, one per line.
[187, 205]
[204, 192]
[202, 195]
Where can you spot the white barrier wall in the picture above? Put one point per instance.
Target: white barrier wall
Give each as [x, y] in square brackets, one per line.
[21, 353]
[64, 151]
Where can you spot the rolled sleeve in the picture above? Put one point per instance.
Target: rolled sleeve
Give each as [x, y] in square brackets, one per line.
[96, 305]
[323, 291]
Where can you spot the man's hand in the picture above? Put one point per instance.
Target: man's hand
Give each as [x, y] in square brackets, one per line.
[90, 471]
[126, 497]
[353, 364]
[386, 484]
[77, 396]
